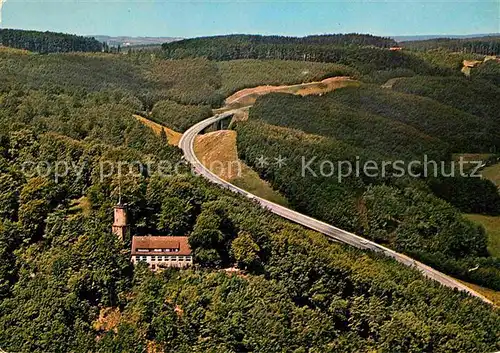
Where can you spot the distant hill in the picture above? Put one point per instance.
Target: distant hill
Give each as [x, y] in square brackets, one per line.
[348, 39]
[364, 52]
[486, 45]
[435, 36]
[47, 42]
[134, 41]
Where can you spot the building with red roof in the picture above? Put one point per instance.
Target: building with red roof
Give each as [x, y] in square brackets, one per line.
[157, 251]
[161, 251]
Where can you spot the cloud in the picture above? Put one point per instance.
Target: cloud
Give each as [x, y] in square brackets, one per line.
[1, 5]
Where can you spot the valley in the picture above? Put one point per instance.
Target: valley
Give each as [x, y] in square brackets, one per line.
[206, 160]
[218, 149]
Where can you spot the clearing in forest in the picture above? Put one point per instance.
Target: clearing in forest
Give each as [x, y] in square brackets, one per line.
[173, 137]
[492, 226]
[490, 294]
[492, 173]
[217, 151]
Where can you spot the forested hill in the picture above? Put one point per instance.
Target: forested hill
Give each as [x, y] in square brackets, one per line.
[326, 39]
[489, 45]
[47, 42]
[364, 52]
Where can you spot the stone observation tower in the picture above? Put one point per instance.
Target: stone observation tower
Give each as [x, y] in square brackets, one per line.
[120, 221]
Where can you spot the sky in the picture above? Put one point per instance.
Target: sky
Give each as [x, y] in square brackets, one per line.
[191, 18]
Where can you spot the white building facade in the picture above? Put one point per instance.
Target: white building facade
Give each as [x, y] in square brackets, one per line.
[161, 252]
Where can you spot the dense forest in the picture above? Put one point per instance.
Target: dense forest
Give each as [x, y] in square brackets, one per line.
[418, 216]
[488, 71]
[461, 131]
[489, 45]
[67, 284]
[475, 96]
[47, 42]
[443, 61]
[351, 39]
[364, 53]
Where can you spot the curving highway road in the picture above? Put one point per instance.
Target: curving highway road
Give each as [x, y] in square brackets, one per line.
[187, 145]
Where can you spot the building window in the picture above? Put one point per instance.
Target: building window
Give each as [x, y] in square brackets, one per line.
[188, 258]
[153, 258]
[160, 258]
[144, 258]
[181, 258]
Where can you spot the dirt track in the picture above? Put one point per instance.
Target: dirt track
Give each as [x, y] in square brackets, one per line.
[249, 95]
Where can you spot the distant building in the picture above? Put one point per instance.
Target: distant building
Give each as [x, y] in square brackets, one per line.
[161, 252]
[120, 221]
[395, 48]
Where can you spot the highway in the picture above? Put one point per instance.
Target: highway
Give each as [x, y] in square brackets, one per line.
[187, 145]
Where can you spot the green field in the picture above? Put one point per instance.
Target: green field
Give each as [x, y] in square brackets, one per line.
[492, 173]
[492, 226]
